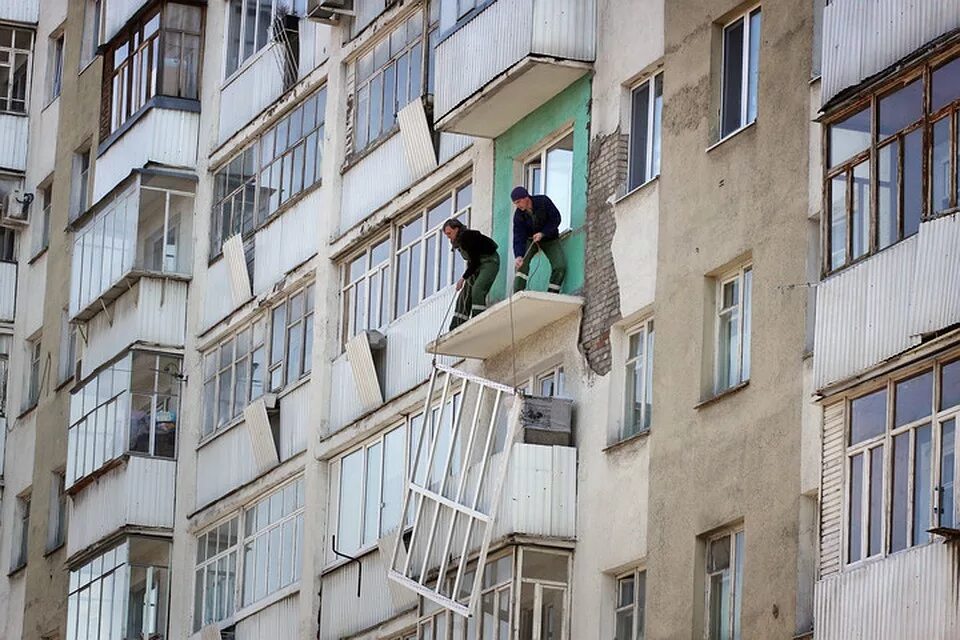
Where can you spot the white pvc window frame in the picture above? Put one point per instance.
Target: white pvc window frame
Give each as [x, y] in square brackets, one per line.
[428, 502]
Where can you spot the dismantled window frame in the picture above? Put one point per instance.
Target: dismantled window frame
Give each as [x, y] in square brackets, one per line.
[452, 512]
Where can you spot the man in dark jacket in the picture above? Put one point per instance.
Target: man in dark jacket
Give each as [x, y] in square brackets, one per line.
[536, 227]
[483, 263]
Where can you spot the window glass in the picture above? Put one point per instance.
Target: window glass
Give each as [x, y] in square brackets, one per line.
[950, 385]
[921, 485]
[16, 47]
[639, 133]
[899, 495]
[838, 221]
[948, 440]
[868, 416]
[231, 381]
[855, 510]
[849, 137]
[946, 84]
[875, 530]
[732, 77]
[900, 109]
[913, 399]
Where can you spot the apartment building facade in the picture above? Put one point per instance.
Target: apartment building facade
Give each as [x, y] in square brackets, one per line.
[236, 410]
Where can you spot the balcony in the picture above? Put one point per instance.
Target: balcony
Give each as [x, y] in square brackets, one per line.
[490, 333]
[910, 594]
[509, 59]
[137, 494]
[144, 229]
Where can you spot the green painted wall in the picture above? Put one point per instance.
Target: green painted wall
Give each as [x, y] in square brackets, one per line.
[571, 106]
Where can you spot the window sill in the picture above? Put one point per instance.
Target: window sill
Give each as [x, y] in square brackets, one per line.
[356, 157]
[617, 200]
[63, 384]
[17, 571]
[731, 135]
[358, 554]
[52, 550]
[210, 437]
[15, 113]
[25, 412]
[39, 254]
[722, 394]
[620, 444]
[49, 103]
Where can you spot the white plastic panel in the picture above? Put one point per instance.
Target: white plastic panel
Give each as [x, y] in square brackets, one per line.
[294, 421]
[373, 181]
[138, 493]
[454, 491]
[417, 139]
[261, 437]
[224, 464]
[216, 307]
[163, 136]
[364, 372]
[249, 93]
[297, 231]
[236, 270]
[8, 290]
[116, 14]
[13, 141]
[279, 620]
[19, 11]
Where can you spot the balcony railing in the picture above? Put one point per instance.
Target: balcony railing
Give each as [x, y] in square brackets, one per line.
[508, 59]
[144, 229]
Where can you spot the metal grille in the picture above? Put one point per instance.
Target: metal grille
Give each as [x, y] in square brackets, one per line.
[459, 465]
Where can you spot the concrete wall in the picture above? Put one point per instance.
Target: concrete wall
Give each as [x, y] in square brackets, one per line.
[737, 459]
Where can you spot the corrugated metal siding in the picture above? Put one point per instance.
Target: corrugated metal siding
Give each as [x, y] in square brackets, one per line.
[863, 314]
[140, 492]
[373, 181]
[831, 489]
[451, 144]
[417, 139]
[364, 372]
[236, 270]
[281, 620]
[8, 290]
[216, 307]
[252, 91]
[936, 294]
[261, 436]
[565, 29]
[224, 464]
[13, 141]
[862, 38]
[466, 61]
[154, 311]
[297, 231]
[540, 494]
[343, 613]
[19, 10]
[911, 595]
[407, 364]
[164, 136]
[117, 12]
[294, 421]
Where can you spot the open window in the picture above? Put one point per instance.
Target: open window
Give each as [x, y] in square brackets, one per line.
[549, 171]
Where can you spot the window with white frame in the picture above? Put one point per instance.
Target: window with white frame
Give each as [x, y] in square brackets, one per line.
[122, 593]
[638, 389]
[372, 478]
[8, 244]
[155, 381]
[233, 376]
[215, 585]
[57, 520]
[549, 383]
[250, 27]
[902, 462]
[543, 598]
[68, 348]
[92, 17]
[646, 110]
[16, 49]
[21, 533]
[55, 68]
[393, 275]
[283, 162]
[291, 338]
[631, 605]
[33, 372]
[80, 185]
[549, 171]
[724, 586]
[250, 556]
[740, 72]
[388, 77]
[734, 294]
[41, 233]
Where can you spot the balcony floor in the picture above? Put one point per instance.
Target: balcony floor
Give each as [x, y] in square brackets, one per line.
[489, 333]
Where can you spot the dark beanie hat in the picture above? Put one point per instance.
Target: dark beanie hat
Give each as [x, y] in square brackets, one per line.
[519, 193]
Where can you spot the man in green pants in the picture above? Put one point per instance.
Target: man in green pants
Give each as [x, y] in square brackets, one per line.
[536, 227]
[483, 263]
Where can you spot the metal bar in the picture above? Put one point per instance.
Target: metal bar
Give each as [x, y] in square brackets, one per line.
[473, 378]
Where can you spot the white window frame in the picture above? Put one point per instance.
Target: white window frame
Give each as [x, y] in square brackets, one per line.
[81, 181]
[57, 522]
[358, 310]
[33, 378]
[537, 160]
[92, 28]
[934, 421]
[654, 128]
[302, 326]
[743, 307]
[533, 385]
[12, 50]
[745, 117]
[247, 540]
[228, 558]
[41, 233]
[55, 66]
[735, 578]
[246, 58]
[637, 607]
[20, 550]
[645, 362]
[213, 371]
[446, 267]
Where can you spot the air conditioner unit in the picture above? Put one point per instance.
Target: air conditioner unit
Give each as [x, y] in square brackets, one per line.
[547, 421]
[329, 11]
[17, 208]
